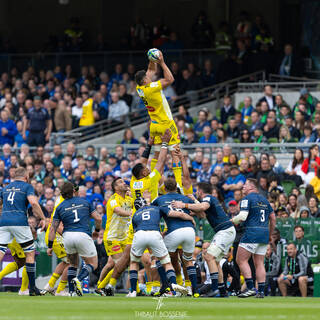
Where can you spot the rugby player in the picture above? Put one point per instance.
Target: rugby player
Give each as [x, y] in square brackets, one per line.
[223, 239]
[159, 110]
[142, 180]
[75, 214]
[14, 222]
[147, 236]
[259, 223]
[179, 232]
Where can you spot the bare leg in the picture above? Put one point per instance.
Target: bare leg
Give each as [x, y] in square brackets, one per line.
[303, 285]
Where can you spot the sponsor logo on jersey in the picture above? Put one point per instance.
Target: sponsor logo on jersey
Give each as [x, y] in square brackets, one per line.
[140, 93]
[244, 204]
[206, 199]
[116, 248]
[153, 84]
[138, 185]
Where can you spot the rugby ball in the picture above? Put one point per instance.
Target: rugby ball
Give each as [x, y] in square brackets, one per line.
[153, 54]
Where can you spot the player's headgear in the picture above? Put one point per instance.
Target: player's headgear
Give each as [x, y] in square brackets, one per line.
[139, 203]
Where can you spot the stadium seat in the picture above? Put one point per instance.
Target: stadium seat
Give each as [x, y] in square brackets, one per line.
[288, 185]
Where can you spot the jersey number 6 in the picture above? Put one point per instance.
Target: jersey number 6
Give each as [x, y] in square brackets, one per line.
[146, 215]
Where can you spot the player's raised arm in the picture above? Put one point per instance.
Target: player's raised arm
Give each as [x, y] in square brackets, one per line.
[185, 170]
[152, 69]
[146, 153]
[122, 212]
[36, 209]
[168, 76]
[163, 151]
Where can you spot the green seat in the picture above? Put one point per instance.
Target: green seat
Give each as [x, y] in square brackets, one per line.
[236, 140]
[288, 185]
[225, 126]
[218, 114]
[273, 140]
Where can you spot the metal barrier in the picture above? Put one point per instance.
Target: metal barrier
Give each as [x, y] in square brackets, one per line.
[104, 127]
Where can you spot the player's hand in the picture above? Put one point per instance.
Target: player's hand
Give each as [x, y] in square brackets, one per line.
[177, 152]
[167, 136]
[161, 59]
[289, 277]
[151, 141]
[42, 224]
[49, 252]
[191, 196]
[193, 222]
[178, 204]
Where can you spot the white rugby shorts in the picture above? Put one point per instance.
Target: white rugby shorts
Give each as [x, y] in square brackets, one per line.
[255, 248]
[79, 242]
[153, 240]
[21, 233]
[184, 237]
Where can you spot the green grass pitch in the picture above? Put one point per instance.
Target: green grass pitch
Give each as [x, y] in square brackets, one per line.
[14, 307]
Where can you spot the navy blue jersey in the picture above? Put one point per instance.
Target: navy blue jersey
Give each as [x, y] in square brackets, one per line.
[15, 201]
[147, 218]
[164, 203]
[257, 222]
[216, 216]
[75, 215]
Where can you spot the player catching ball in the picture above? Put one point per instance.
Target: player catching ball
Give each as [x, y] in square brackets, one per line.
[159, 110]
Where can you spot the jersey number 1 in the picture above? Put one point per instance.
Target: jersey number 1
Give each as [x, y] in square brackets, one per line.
[76, 218]
[11, 197]
[263, 217]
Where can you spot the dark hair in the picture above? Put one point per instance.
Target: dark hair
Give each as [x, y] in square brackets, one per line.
[205, 187]
[295, 161]
[312, 147]
[301, 227]
[67, 190]
[136, 170]
[292, 243]
[254, 182]
[139, 77]
[113, 184]
[170, 184]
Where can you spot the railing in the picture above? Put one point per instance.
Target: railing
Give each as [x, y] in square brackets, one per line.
[280, 83]
[103, 60]
[194, 98]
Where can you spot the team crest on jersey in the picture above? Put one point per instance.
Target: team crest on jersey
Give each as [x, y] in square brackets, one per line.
[137, 185]
[244, 204]
[140, 93]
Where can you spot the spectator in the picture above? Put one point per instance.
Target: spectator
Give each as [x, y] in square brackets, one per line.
[268, 97]
[183, 112]
[289, 64]
[202, 121]
[58, 155]
[207, 136]
[227, 109]
[38, 123]
[202, 32]
[272, 264]
[128, 137]
[62, 120]
[311, 164]
[123, 95]
[246, 110]
[255, 122]
[8, 129]
[190, 137]
[294, 132]
[308, 136]
[117, 109]
[77, 112]
[295, 272]
[271, 129]
[205, 171]
[234, 182]
[233, 129]
[89, 108]
[208, 77]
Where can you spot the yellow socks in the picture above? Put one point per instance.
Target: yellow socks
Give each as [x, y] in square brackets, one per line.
[156, 283]
[11, 267]
[106, 280]
[54, 278]
[25, 280]
[113, 282]
[177, 171]
[187, 283]
[62, 285]
[153, 164]
[149, 286]
[179, 279]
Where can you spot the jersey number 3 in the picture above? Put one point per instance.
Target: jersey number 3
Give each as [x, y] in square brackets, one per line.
[11, 197]
[76, 218]
[263, 217]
